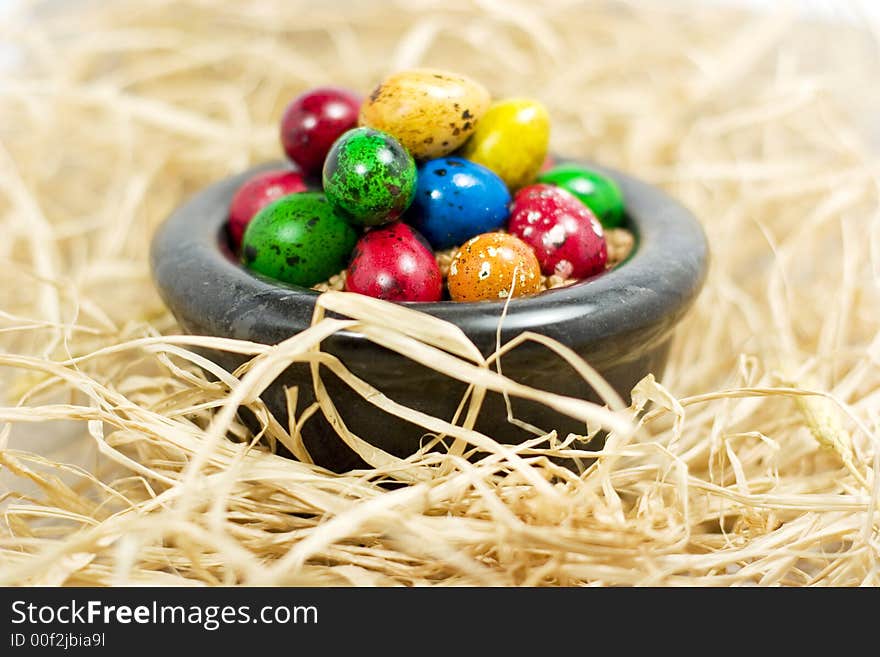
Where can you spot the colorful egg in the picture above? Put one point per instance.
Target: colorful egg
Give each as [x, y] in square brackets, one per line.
[394, 263]
[257, 193]
[298, 239]
[511, 139]
[430, 112]
[487, 266]
[566, 237]
[457, 199]
[313, 121]
[599, 193]
[548, 163]
[369, 178]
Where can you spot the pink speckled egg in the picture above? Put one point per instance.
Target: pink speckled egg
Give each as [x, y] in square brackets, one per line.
[567, 238]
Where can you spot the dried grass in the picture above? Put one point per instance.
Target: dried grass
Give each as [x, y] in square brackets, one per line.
[757, 462]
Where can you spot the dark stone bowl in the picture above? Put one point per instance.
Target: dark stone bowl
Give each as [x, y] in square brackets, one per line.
[620, 322]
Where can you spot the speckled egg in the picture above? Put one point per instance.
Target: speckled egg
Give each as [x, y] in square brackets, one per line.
[511, 140]
[548, 163]
[257, 193]
[431, 112]
[395, 263]
[599, 193]
[566, 236]
[313, 121]
[369, 178]
[487, 266]
[298, 239]
[457, 199]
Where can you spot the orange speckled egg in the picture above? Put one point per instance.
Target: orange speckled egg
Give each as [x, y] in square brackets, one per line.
[486, 267]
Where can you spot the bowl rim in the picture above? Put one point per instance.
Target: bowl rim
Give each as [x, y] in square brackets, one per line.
[652, 287]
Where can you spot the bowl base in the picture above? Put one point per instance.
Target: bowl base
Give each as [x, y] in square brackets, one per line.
[440, 397]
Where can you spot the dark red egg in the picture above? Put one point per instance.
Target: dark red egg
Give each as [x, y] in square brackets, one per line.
[313, 121]
[565, 235]
[549, 163]
[257, 193]
[394, 262]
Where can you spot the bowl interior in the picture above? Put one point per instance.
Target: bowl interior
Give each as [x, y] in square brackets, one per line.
[624, 310]
[226, 247]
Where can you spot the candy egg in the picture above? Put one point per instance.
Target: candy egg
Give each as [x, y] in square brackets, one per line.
[599, 193]
[511, 139]
[457, 199]
[298, 239]
[487, 266]
[431, 112]
[369, 178]
[313, 121]
[548, 163]
[566, 236]
[394, 262]
[257, 193]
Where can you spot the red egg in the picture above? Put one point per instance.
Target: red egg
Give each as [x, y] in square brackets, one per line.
[565, 235]
[257, 193]
[549, 163]
[394, 262]
[313, 121]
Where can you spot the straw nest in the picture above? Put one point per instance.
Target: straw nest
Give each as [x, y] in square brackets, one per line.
[756, 461]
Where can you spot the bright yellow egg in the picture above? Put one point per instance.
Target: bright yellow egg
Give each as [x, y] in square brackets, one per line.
[430, 112]
[512, 140]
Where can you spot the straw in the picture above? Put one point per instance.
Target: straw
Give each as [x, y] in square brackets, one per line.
[752, 460]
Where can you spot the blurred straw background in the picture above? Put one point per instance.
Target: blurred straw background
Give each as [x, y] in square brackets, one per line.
[757, 462]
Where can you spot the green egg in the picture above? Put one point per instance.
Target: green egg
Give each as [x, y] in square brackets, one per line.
[369, 178]
[599, 193]
[298, 239]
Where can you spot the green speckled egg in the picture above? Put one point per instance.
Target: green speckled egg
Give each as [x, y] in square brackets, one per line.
[369, 178]
[599, 193]
[298, 239]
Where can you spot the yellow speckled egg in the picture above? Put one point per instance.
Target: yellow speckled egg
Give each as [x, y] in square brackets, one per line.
[511, 140]
[429, 111]
[488, 265]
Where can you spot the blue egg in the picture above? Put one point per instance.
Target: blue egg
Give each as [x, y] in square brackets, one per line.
[457, 199]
